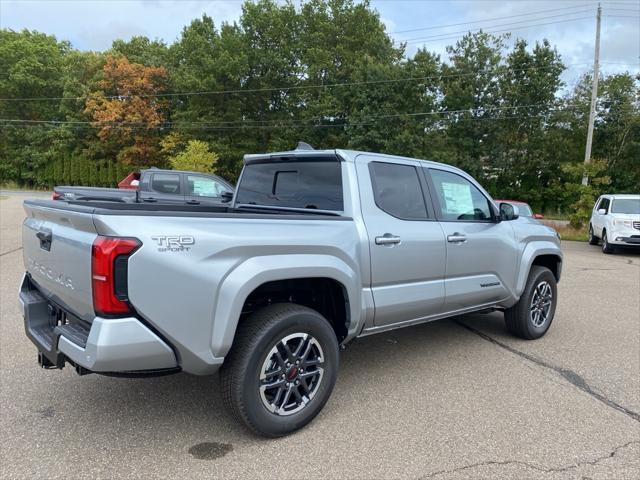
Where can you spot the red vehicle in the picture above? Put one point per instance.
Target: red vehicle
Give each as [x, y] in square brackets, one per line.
[524, 210]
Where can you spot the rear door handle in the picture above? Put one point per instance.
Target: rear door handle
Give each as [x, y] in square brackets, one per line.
[456, 238]
[387, 239]
[193, 202]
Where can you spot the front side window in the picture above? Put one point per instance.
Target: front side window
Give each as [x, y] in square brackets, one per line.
[204, 187]
[604, 204]
[459, 199]
[626, 205]
[166, 182]
[397, 190]
[297, 184]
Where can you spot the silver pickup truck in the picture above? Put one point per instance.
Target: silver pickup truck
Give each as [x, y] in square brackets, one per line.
[317, 248]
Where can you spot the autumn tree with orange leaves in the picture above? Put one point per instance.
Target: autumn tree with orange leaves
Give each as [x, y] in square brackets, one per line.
[126, 111]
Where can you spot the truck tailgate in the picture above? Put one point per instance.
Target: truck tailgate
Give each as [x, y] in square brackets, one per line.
[57, 254]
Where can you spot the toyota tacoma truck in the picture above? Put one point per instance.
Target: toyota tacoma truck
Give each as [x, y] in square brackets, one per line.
[317, 247]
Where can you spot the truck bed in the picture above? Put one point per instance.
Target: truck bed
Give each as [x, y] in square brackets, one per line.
[99, 207]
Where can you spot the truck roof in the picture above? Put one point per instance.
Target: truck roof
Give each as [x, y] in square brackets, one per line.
[345, 155]
[621, 195]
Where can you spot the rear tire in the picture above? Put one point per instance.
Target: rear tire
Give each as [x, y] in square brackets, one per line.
[593, 240]
[531, 317]
[281, 369]
[606, 246]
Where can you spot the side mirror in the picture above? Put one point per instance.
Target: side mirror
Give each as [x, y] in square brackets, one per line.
[538, 216]
[508, 211]
[227, 197]
[602, 211]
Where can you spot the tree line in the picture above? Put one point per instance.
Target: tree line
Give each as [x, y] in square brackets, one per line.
[327, 73]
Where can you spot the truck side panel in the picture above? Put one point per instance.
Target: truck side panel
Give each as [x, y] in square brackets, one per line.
[175, 277]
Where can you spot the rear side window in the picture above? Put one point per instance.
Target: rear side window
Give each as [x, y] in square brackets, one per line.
[166, 182]
[397, 190]
[306, 184]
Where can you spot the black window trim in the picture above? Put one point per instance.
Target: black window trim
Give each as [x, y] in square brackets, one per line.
[180, 183]
[436, 201]
[424, 188]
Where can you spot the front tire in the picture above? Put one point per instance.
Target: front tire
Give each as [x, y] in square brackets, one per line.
[531, 317]
[593, 240]
[606, 246]
[281, 369]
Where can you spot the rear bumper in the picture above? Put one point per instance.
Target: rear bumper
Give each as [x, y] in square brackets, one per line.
[109, 346]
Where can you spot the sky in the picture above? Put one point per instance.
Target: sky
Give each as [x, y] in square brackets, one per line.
[567, 24]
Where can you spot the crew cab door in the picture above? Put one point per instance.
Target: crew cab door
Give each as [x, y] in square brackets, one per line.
[482, 255]
[406, 244]
[204, 190]
[162, 187]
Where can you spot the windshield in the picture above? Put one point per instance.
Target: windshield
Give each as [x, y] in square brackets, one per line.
[524, 210]
[313, 184]
[626, 205]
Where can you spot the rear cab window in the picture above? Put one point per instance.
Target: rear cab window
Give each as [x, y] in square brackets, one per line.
[308, 183]
[166, 183]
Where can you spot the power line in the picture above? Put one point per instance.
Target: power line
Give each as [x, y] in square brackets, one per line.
[500, 25]
[488, 19]
[183, 124]
[503, 30]
[285, 88]
[310, 126]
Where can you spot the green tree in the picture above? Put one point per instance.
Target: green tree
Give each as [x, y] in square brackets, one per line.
[195, 157]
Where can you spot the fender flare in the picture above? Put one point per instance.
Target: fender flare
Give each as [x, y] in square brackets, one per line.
[255, 271]
[531, 252]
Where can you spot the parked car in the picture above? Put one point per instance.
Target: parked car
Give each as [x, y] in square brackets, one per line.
[615, 221]
[317, 248]
[156, 186]
[524, 210]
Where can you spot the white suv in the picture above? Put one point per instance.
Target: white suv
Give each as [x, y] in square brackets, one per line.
[616, 220]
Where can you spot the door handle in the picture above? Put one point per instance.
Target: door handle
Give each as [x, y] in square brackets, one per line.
[149, 199]
[456, 238]
[193, 202]
[387, 239]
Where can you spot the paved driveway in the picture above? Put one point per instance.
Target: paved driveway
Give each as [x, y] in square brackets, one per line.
[451, 399]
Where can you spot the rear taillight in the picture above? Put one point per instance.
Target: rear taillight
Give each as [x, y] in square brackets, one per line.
[109, 260]
[55, 196]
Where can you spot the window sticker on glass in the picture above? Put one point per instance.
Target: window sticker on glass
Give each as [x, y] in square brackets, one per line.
[204, 187]
[457, 198]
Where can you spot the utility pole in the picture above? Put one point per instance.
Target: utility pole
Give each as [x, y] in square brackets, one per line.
[594, 96]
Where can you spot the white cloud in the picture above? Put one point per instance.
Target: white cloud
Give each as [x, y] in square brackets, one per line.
[95, 24]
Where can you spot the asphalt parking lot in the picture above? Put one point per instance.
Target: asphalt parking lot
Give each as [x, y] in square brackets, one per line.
[451, 399]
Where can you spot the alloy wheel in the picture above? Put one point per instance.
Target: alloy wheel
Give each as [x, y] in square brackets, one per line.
[291, 374]
[541, 302]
